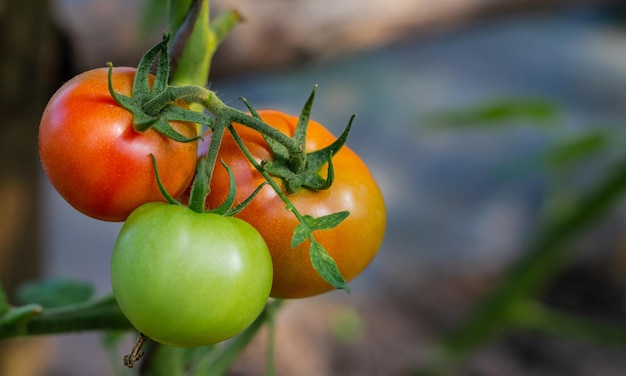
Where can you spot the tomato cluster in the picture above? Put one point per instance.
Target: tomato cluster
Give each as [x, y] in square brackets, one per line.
[188, 277]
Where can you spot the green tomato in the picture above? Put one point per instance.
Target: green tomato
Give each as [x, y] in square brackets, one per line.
[189, 279]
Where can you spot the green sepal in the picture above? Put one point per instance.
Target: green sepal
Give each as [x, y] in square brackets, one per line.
[303, 120]
[129, 103]
[286, 167]
[171, 200]
[237, 208]
[145, 113]
[141, 85]
[326, 267]
[278, 150]
[227, 208]
[326, 222]
[315, 160]
[232, 192]
[163, 127]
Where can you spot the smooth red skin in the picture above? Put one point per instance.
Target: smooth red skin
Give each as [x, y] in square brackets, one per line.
[353, 244]
[96, 160]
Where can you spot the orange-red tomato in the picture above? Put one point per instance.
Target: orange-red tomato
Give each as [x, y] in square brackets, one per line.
[353, 243]
[96, 160]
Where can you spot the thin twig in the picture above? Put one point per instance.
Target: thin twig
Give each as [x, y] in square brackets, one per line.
[136, 353]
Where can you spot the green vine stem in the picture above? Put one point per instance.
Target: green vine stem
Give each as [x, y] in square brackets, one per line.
[93, 315]
[209, 100]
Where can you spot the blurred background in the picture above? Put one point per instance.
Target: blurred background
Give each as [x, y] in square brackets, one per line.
[480, 119]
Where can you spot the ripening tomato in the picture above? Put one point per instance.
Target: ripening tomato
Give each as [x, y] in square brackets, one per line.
[352, 244]
[189, 279]
[94, 157]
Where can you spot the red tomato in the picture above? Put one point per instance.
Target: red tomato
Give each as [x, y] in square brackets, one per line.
[96, 160]
[353, 244]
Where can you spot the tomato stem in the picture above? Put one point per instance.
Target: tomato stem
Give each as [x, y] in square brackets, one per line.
[225, 115]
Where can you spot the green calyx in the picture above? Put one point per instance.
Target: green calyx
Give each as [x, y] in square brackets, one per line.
[200, 190]
[146, 113]
[302, 169]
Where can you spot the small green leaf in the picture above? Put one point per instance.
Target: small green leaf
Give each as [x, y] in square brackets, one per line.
[498, 113]
[55, 292]
[300, 234]
[326, 267]
[577, 148]
[326, 222]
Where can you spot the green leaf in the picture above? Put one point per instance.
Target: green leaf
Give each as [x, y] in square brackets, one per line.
[497, 113]
[310, 224]
[327, 222]
[326, 267]
[4, 303]
[577, 148]
[300, 234]
[55, 292]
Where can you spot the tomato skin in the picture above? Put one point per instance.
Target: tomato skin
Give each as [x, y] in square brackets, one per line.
[96, 160]
[189, 279]
[353, 244]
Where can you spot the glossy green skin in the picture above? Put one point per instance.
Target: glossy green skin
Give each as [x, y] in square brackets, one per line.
[189, 279]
